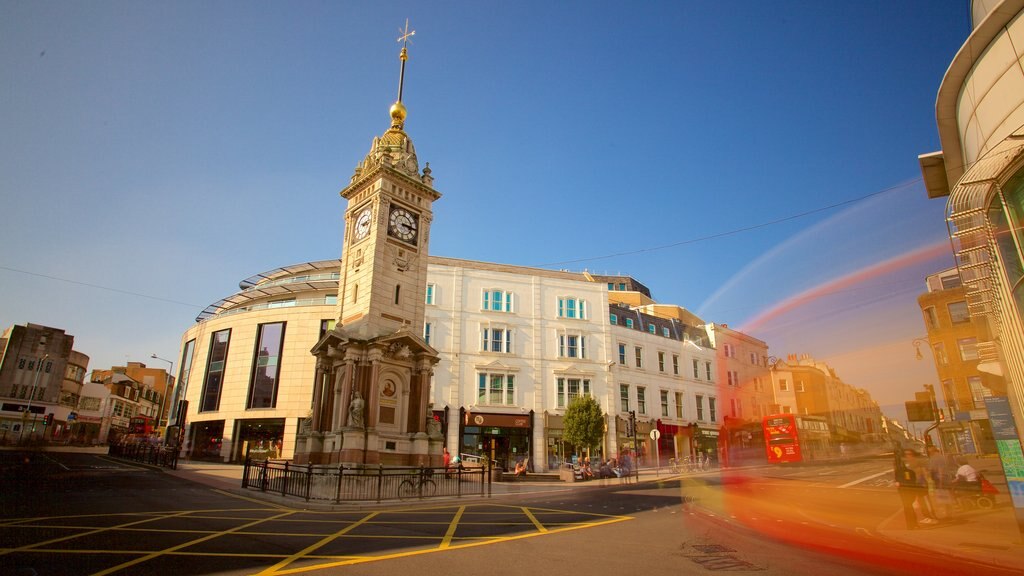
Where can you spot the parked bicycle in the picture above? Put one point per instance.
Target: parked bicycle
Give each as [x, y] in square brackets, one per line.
[419, 486]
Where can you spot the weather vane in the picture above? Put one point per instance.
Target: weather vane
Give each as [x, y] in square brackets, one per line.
[404, 39]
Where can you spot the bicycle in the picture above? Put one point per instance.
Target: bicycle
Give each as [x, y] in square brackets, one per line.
[419, 486]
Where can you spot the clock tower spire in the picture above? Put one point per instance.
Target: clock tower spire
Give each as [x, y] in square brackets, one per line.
[371, 398]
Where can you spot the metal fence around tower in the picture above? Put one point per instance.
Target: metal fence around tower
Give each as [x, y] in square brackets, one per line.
[367, 483]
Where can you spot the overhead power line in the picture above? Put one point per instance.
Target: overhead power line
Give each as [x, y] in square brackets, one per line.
[734, 231]
[99, 287]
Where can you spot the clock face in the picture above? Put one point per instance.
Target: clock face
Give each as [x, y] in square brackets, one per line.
[403, 225]
[363, 224]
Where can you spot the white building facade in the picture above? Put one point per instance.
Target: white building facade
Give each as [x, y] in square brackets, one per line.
[516, 346]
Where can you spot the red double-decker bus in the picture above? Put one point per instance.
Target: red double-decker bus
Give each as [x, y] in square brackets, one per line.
[141, 425]
[781, 438]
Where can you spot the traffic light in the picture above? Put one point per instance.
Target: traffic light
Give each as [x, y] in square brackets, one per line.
[48, 419]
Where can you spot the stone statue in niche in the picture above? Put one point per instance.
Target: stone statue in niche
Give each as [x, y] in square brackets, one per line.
[356, 410]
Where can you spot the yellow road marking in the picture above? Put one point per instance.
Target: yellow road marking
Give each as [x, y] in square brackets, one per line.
[540, 527]
[486, 541]
[89, 533]
[452, 526]
[448, 542]
[317, 545]
[186, 544]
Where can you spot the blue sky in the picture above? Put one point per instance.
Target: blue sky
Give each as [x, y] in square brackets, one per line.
[169, 150]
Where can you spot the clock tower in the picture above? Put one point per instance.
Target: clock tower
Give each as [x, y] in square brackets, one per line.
[371, 395]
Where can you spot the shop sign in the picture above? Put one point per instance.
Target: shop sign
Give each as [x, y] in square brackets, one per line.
[502, 420]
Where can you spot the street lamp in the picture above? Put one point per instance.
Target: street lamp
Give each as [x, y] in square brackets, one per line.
[167, 389]
[917, 347]
[31, 396]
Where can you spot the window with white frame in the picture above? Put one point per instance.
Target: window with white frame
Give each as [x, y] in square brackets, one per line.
[661, 361]
[696, 369]
[664, 403]
[569, 307]
[497, 300]
[700, 407]
[613, 319]
[652, 328]
[753, 358]
[629, 322]
[800, 386]
[641, 400]
[572, 345]
[679, 405]
[783, 385]
[968, 348]
[707, 370]
[496, 389]
[569, 389]
[431, 289]
[622, 353]
[427, 329]
[675, 364]
[496, 339]
[624, 397]
[638, 354]
[664, 332]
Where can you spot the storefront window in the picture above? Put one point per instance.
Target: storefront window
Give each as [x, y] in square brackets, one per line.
[1009, 232]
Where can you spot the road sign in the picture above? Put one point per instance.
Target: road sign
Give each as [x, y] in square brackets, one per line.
[655, 434]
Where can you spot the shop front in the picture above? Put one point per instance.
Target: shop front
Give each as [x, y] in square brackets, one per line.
[559, 452]
[258, 439]
[502, 438]
[639, 449]
[706, 442]
[669, 445]
[205, 440]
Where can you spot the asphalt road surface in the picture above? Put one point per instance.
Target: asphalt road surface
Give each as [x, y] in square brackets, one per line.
[67, 514]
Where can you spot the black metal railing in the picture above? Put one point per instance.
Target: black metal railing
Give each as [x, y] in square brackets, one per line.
[147, 454]
[341, 483]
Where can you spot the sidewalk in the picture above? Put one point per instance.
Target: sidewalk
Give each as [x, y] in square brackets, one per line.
[985, 536]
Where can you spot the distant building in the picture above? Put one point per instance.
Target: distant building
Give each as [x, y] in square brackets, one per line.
[744, 390]
[155, 384]
[979, 111]
[39, 375]
[807, 387]
[135, 399]
[953, 336]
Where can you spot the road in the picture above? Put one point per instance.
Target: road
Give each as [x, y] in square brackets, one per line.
[86, 514]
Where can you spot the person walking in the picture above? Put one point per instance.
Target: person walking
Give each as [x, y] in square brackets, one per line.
[912, 487]
[940, 477]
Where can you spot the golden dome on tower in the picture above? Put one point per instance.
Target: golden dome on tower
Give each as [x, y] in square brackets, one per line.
[398, 114]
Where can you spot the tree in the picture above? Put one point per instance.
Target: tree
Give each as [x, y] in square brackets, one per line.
[583, 423]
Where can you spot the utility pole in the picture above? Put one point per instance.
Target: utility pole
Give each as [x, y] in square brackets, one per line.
[636, 443]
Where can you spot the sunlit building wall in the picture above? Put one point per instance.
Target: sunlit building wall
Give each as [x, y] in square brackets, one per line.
[952, 337]
[805, 386]
[980, 169]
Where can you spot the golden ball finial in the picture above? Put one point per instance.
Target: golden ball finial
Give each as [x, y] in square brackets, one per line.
[398, 112]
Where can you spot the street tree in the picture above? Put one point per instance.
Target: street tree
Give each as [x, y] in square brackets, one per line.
[583, 425]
